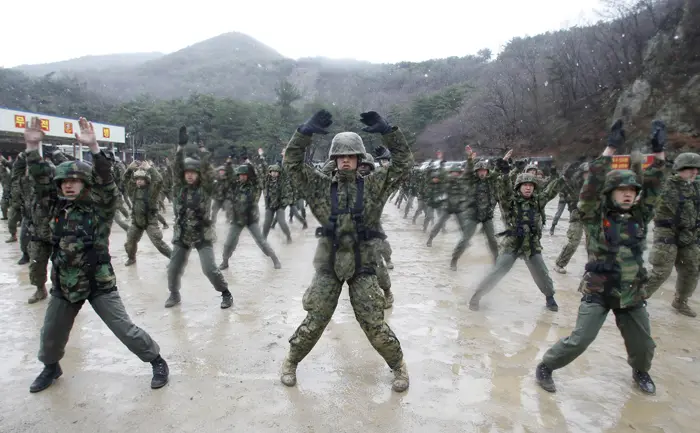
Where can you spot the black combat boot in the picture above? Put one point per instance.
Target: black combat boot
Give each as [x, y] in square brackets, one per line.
[24, 260]
[544, 378]
[226, 299]
[453, 264]
[160, 373]
[45, 379]
[552, 304]
[173, 299]
[130, 262]
[223, 265]
[644, 382]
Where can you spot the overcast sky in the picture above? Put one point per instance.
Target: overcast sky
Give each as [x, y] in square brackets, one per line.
[45, 31]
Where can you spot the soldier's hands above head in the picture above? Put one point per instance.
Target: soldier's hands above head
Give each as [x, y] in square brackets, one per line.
[317, 123]
[33, 135]
[616, 138]
[87, 134]
[182, 137]
[658, 136]
[521, 163]
[502, 165]
[375, 123]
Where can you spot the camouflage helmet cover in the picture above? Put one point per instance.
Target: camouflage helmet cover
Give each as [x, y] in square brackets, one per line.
[531, 166]
[73, 170]
[368, 159]
[242, 169]
[346, 143]
[142, 174]
[274, 167]
[619, 179]
[584, 167]
[481, 165]
[686, 160]
[191, 164]
[455, 168]
[525, 178]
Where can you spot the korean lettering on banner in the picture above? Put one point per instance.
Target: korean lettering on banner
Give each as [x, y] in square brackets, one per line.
[620, 162]
[105, 132]
[20, 121]
[45, 125]
[68, 127]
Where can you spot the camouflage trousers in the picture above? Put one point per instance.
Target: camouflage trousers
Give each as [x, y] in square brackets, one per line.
[468, 228]
[120, 222]
[402, 196]
[419, 208]
[633, 324]
[574, 235]
[367, 300]
[14, 220]
[504, 263]
[5, 204]
[178, 262]
[409, 205]
[133, 236]
[276, 215]
[24, 236]
[39, 255]
[298, 211]
[664, 257]
[384, 248]
[430, 217]
[560, 210]
[234, 233]
[216, 206]
[60, 316]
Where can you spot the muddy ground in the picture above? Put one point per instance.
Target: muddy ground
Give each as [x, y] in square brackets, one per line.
[470, 371]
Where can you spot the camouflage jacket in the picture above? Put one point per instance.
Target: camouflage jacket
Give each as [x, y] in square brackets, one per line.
[616, 239]
[482, 194]
[221, 187]
[118, 171]
[75, 223]
[5, 176]
[435, 195]
[570, 189]
[23, 186]
[318, 189]
[167, 175]
[144, 200]
[192, 203]
[45, 194]
[278, 191]
[523, 217]
[244, 196]
[677, 213]
[456, 193]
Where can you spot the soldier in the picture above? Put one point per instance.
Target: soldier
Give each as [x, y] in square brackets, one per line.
[571, 186]
[82, 203]
[560, 210]
[14, 193]
[434, 196]
[278, 195]
[5, 181]
[349, 206]
[193, 186]
[455, 201]
[144, 185]
[614, 279]
[221, 185]
[677, 233]
[22, 195]
[522, 205]
[118, 171]
[244, 195]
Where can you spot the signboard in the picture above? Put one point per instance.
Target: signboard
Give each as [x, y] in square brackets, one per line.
[622, 162]
[15, 121]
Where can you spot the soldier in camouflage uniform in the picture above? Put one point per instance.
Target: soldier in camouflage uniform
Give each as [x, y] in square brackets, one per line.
[81, 200]
[22, 197]
[244, 195]
[422, 179]
[522, 205]
[221, 186]
[5, 182]
[677, 233]
[118, 171]
[349, 208]
[15, 199]
[455, 203]
[614, 278]
[560, 210]
[411, 190]
[278, 195]
[193, 187]
[434, 196]
[144, 186]
[571, 186]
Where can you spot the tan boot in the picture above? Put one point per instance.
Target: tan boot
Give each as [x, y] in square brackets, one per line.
[400, 383]
[39, 295]
[682, 307]
[289, 372]
[388, 299]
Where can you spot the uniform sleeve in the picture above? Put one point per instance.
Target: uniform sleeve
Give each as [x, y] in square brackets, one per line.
[304, 177]
[652, 184]
[206, 172]
[104, 190]
[401, 163]
[589, 200]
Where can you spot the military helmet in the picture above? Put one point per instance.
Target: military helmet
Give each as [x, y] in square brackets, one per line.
[481, 165]
[368, 159]
[620, 178]
[584, 167]
[274, 167]
[686, 160]
[346, 143]
[455, 168]
[73, 170]
[242, 169]
[525, 178]
[221, 167]
[191, 164]
[530, 166]
[142, 174]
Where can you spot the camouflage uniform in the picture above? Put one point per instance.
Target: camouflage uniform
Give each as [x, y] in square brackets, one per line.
[144, 213]
[570, 192]
[17, 173]
[193, 227]
[411, 190]
[677, 235]
[244, 196]
[421, 180]
[5, 181]
[278, 195]
[81, 268]
[615, 273]
[221, 186]
[349, 208]
[118, 171]
[26, 186]
[523, 217]
[434, 196]
[560, 210]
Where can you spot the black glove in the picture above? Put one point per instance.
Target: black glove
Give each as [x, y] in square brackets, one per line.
[658, 136]
[379, 150]
[375, 123]
[317, 123]
[502, 165]
[617, 135]
[521, 163]
[553, 171]
[183, 138]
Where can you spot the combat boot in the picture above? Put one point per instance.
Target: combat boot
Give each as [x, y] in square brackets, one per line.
[173, 299]
[45, 379]
[289, 239]
[11, 239]
[223, 265]
[130, 262]
[474, 303]
[559, 269]
[552, 304]
[24, 260]
[551, 231]
[166, 226]
[453, 264]
[276, 261]
[305, 225]
[389, 264]
[682, 307]
[388, 299]
[161, 372]
[39, 295]
[289, 372]
[543, 374]
[400, 382]
[644, 382]
[429, 243]
[226, 300]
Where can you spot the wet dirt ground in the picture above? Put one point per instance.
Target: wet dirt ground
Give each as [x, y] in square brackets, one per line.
[470, 371]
